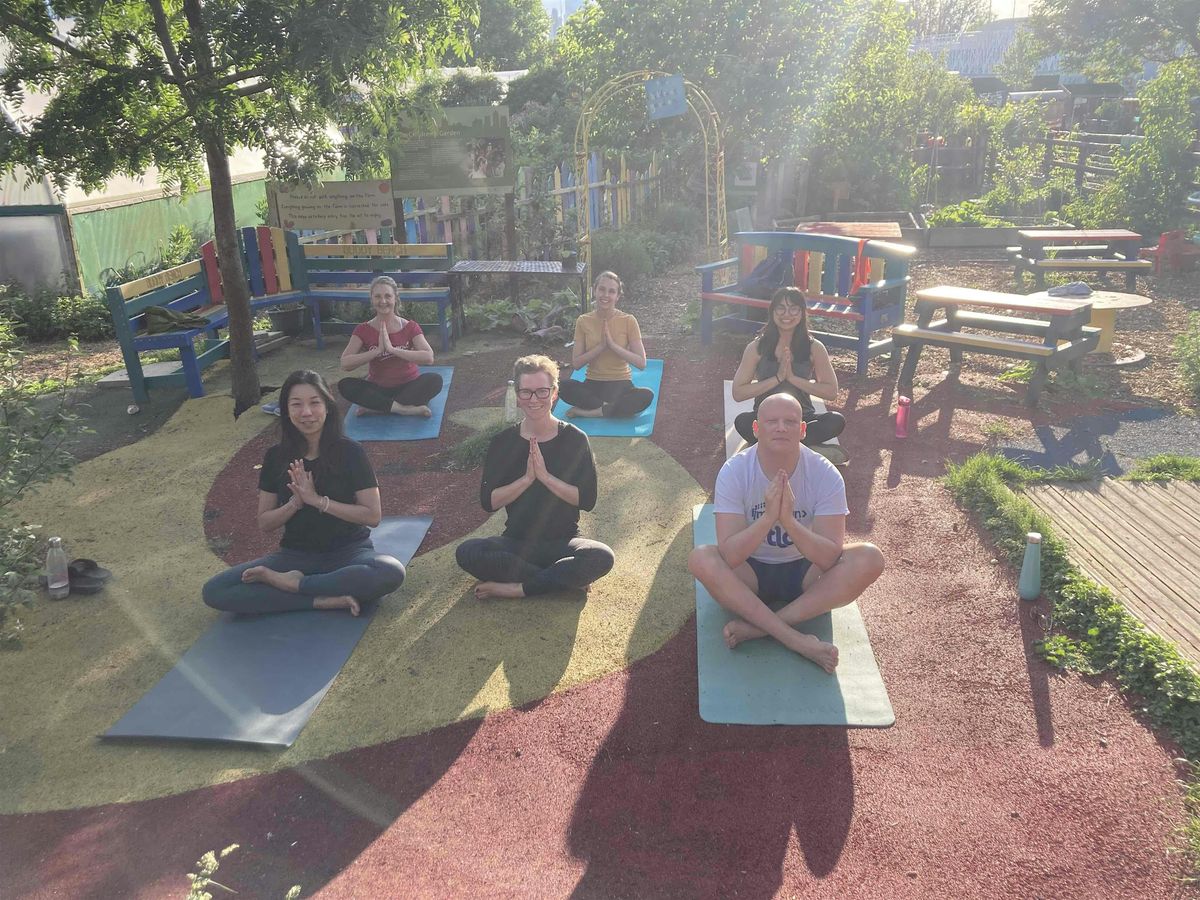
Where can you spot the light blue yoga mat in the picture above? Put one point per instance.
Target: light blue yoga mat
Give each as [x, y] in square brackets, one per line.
[258, 679]
[402, 428]
[641, 425]
[763, 683]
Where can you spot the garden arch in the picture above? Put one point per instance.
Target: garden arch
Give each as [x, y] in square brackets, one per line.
[716, 230]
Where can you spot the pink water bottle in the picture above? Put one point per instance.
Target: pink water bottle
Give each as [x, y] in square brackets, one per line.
[902, 406]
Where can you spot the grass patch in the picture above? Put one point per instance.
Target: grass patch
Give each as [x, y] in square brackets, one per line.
[997, 429]
[1092, 632]
[1165, 467]
[469, 454]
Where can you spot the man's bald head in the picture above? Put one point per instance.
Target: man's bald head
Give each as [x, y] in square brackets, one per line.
[774, 399]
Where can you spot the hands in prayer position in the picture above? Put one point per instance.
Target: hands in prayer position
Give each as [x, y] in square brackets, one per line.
[300, 483]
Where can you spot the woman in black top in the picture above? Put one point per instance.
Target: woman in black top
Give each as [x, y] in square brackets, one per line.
[542, 471]
[318, 486]
[784, 358]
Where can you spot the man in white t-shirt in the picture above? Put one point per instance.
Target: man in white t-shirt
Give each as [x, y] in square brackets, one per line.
[781, 525]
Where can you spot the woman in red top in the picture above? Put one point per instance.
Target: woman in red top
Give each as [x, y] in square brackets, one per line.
[393, 347]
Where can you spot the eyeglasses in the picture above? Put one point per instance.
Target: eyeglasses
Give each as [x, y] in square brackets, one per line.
[788, 311]
[530, 393]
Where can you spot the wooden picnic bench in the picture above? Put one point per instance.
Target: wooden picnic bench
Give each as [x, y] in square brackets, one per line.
[1072, 249]
[862, 282]
[279, 270]
[1062, 327]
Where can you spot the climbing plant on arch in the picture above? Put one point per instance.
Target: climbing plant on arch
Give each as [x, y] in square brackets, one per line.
[716, 230]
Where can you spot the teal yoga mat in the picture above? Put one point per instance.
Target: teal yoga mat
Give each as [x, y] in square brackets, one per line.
[641, 425]
[762, 683]
[402, 428]
[257, 679]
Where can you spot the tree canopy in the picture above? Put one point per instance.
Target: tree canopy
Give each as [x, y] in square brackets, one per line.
[930, 17]
[1109, 35]
[512, 34]
[176, 84]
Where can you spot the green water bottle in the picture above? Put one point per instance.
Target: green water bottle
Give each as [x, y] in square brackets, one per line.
[1029, 585]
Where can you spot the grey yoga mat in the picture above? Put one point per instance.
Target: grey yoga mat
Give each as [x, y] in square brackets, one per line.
[258, 679]
[762, 683]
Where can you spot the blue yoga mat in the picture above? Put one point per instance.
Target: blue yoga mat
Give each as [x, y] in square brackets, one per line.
[641, 425]
[258, 679]
[763, 683]
[402, 428]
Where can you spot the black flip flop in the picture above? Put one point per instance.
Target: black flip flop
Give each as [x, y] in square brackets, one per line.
[87, 569]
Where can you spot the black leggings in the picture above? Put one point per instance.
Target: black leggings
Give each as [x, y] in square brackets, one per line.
[822, 428]
[618, 399]
[541, 567]
[369, 395]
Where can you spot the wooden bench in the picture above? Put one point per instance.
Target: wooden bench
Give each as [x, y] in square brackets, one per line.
[1065, 336]
[1080, 250]
[279, 270]
[344, 272]
[864, 282]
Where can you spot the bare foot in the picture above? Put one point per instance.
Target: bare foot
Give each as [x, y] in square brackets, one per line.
[488, 589]
[363, 411]
[823, 654]
[401, 410]
[285, 581]
[739, 630]
[343, 602]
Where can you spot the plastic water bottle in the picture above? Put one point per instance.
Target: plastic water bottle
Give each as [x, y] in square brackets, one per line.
[902, 406]
[512, 412]
[1029, 586]
[58, 582]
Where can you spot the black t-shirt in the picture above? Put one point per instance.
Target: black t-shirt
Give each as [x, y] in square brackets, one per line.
[310, 529]
[769, 368]
[538, 515]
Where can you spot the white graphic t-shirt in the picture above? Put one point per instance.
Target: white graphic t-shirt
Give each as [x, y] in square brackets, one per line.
[816, 484]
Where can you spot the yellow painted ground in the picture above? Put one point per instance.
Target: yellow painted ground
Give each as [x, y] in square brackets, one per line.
[432, 656]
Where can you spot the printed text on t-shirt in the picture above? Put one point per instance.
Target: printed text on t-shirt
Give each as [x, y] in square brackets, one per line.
[776, 537]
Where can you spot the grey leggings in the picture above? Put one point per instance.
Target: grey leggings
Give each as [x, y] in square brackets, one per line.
[355, 570]
[540, 567]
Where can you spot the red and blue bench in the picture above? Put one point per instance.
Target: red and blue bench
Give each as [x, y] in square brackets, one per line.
[279, 270]
[862, 282]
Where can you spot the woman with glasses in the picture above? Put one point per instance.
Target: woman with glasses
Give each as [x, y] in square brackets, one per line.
[785, 359]
[392, 347]
[608, 342]
[542, 472]
[319, 488]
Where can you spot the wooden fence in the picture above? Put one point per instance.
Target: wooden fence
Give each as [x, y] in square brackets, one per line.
[619, 197]
[1090, 158]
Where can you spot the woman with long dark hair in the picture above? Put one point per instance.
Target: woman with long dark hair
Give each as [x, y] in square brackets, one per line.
[319, 487]
[785, 358]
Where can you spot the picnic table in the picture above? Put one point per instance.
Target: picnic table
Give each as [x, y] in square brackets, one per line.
[514, 268]
[1105, 305]
[875, 231]
[1061, 324]
[1080, 249]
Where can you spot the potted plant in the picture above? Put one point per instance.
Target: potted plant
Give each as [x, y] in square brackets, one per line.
[570, 259]
[290, 318]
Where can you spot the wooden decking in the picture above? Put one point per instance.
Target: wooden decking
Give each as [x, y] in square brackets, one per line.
[1141, 540]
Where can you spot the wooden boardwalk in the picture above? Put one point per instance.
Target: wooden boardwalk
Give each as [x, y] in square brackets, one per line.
[1142, 541]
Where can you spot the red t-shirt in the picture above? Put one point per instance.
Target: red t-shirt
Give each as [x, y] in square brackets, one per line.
[390, 371]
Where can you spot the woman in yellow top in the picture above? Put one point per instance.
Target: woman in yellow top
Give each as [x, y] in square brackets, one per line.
[608, 342]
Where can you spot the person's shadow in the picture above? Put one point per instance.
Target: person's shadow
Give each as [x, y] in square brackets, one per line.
[674, 806]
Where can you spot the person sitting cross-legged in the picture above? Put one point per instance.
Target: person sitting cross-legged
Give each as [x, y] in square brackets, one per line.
[543, 473]
[780, 557]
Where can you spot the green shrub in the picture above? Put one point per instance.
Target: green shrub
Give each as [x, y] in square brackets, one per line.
[49, 315]
[32, 444]
[623, 251]
[1187, 351]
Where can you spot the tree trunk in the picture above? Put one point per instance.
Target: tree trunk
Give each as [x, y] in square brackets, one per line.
[246, 391]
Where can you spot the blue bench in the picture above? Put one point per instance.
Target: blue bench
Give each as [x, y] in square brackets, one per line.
[864, 282]
[279, 270]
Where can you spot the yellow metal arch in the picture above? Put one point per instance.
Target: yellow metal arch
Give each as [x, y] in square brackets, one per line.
[715, 226]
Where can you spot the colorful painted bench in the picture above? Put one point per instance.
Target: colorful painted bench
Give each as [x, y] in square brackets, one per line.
[863, 282]
[279, 270]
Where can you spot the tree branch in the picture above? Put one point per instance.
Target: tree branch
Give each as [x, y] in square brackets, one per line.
[76, 52]
[227, 80]
[251, 89]
[163, 30]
